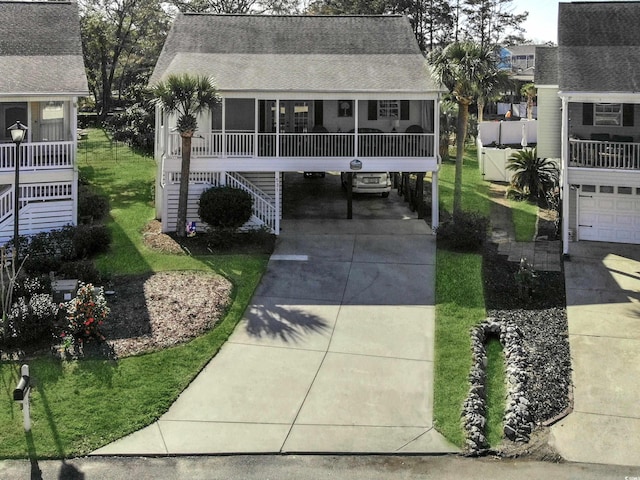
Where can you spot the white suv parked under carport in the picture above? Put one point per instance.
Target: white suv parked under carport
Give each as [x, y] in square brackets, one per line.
[369, 182]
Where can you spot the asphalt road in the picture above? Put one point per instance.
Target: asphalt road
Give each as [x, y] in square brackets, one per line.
[296, 467]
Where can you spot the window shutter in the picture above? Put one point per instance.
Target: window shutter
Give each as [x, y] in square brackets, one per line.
[404, 110]
[373, 109]
[318, 112]
[262, 116]
[627, 115]
[587, 114]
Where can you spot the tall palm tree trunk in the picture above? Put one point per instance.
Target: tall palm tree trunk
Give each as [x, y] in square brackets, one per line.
[463, 116]
[183, 198]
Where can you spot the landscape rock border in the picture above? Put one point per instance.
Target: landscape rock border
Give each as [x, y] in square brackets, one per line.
[518, 421]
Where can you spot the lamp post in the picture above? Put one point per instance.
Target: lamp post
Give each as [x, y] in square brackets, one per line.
[18, 132]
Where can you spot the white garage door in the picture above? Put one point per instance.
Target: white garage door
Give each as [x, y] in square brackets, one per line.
[609, 213]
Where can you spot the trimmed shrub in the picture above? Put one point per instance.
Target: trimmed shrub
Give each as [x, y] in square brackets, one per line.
[91, 205]
[90, 240]
[83, 270]
[47, 251]
[464, 231]
[225, 207]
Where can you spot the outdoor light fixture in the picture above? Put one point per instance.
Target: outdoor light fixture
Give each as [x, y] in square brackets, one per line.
[18, 131]
[355, 164]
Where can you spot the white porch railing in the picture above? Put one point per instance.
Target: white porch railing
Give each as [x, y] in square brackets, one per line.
[598, 154]
[242, 144]
[38, 156]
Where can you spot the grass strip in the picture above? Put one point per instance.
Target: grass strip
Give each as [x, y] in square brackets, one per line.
[460, 305]
[524, 215]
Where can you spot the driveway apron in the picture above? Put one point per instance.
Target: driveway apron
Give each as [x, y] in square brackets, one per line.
[334, 353]
[603, 308]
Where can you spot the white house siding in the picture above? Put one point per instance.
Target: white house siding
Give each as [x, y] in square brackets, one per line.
[40, 217]
[171, 195]
[549, 123]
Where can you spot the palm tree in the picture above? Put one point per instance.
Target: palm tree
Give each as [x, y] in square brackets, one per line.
[529, 91]
[491, 89]
[462, 67]
[533, 176]
[185, 95]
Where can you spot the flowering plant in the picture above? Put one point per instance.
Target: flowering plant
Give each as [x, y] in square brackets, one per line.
[85, 315]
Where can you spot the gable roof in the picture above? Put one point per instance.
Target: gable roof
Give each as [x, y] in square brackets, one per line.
[297, 53]
[599, 46]
[546, 72]
[40, 49]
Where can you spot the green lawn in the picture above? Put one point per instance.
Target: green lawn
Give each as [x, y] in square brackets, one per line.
[524, 215]
[460, 305]
[78, 406]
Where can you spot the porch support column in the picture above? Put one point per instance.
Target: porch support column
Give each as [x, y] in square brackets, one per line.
[224, 128]
[564, 172]
[278, 185]
[277, 127]
[256, 127]
[436, 129]
[435, 211]
[355, 128]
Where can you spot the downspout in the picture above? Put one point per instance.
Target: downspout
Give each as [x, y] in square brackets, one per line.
[74, 153]
[565, 177]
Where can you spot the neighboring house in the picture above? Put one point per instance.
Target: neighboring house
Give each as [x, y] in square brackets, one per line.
[589, 116]
[520, 62]
[42, 76]
[299, 93]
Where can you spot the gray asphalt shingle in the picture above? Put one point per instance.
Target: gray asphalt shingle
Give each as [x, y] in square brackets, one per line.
[304, 53]
[599, 46]
[40, 48]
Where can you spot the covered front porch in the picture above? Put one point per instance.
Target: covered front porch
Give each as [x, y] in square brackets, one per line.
[247, 134]
[50, 139]
[602, 132]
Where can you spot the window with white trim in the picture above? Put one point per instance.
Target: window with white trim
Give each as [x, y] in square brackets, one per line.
[388, 109]
[607, 114]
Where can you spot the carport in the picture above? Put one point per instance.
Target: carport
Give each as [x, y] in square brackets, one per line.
[324, 198]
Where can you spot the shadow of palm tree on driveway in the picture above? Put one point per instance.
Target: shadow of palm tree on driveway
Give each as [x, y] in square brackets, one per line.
[290, 325]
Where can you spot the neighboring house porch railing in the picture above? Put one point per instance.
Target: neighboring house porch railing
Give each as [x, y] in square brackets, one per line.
[599, 154]
[251, 144]
[38, 156]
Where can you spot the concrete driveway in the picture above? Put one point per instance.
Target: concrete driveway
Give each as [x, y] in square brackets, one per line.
[603, 308]
[334, 353]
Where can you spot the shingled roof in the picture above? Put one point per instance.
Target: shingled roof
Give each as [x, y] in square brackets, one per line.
[599, 47]
[40, 49]
[546, 72]
[297, 53]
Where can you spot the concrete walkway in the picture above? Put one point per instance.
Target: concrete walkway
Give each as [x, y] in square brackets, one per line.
[335, 353]
[603, 308]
